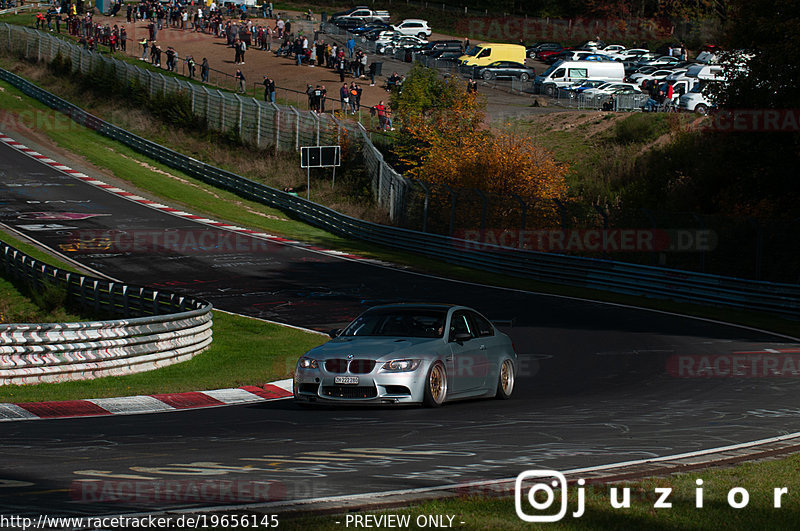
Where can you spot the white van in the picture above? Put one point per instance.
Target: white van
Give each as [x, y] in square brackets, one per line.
[566, 73]
[695, 100]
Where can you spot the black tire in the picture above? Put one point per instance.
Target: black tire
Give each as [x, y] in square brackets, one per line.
[549, 90]
[506, 379]
[524, 77]
[422, 35]
[487, 75]
[435, 386]
[701, 109]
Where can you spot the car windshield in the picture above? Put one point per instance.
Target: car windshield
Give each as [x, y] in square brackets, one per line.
[398, 322]
[472, 51]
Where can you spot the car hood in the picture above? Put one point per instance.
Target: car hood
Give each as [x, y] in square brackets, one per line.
[369, 347]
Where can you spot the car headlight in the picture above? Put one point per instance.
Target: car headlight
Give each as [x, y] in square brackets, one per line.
[307, 363]
[401, 365]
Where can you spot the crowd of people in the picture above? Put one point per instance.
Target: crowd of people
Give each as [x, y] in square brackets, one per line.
[240, 33]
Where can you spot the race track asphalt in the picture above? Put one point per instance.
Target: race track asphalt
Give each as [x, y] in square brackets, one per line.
[593, 386]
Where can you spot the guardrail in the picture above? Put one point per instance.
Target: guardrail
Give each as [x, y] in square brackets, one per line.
[160, 328]
[588, 273]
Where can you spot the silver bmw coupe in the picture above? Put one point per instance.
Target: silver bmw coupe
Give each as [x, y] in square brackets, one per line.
[409, 354]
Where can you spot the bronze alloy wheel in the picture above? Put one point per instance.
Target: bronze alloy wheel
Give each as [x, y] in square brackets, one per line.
[436, 385]
[505, 384]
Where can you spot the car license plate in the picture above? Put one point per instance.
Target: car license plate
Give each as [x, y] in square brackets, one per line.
[350, 380]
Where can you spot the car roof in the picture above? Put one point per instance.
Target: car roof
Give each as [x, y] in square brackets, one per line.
[444, 307]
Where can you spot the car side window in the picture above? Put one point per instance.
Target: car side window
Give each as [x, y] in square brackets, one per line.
[460, 325]
[485, 53]
[558, 73]
[480, 325]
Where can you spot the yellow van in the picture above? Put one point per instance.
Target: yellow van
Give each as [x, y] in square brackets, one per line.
[487, 53]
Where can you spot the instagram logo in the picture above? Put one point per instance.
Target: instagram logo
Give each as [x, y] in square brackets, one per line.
[540, 495]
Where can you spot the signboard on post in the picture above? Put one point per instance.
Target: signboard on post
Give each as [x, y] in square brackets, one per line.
[320, 157]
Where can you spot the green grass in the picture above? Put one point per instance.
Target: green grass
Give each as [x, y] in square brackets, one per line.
[759, 479]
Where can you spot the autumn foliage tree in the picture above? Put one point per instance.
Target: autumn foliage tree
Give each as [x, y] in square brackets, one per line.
[443, 140]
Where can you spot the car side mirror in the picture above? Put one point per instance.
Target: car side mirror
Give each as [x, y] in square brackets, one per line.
[335, 333]
[460, 337]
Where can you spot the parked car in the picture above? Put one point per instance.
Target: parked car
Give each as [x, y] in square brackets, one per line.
[360, 13]
[566, 73]
[590, 45]
[414, 27]
[582, 86]
[533, 49]
[366, 27]
[613, 88]
[349, 24]
[489, 52]
[578, 55]
[664, 60]
[409, 354]
[611, 48]
[378, 35]
[435, 46]
[623, 55]
[504, 70]
[447, 55]
[403, 42]
[551, 56]
[659, 74]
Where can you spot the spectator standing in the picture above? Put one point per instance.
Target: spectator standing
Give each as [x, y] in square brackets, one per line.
[171, 55]
[204, 68]
[190, 64]
[363, 65]
[383, 117]
[351, 46]
[123, 38]
[269, 89]
[344, 97]
[240, 81]
[144, 45]
[372, 69]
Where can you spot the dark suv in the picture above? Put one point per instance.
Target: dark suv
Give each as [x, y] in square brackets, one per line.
[436, 46]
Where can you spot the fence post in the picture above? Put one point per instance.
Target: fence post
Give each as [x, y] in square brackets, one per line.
[164, 86]
[208, 105]
[258, 122]
[241, 109]
[524, 206]
[277, 126]
[424, 204]
[194, 95]
[221, 112]
[297, 128]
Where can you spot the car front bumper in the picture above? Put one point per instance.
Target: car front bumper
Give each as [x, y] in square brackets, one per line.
[378, 387]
